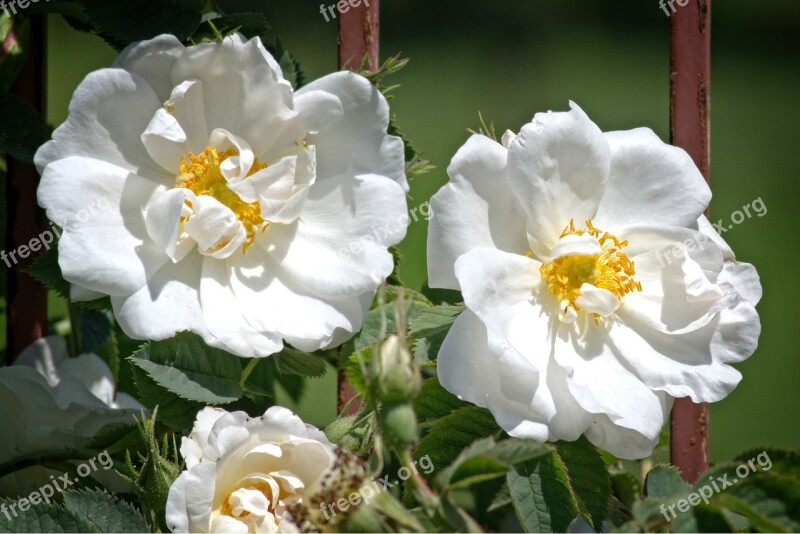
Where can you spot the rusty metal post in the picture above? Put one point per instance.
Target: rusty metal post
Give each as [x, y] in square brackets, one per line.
[359, 36]
[26, 319]
[690, 92]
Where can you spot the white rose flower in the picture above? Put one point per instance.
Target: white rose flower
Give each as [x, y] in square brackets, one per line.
[596, 289]
[242, 472]
[201, 193]
[51, 401]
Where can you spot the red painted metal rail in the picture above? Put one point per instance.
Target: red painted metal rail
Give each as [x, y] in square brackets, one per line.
[359, 36]
[26, 319]
[690, 92]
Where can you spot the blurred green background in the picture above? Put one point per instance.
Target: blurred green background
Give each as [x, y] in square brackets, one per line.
[510, 59]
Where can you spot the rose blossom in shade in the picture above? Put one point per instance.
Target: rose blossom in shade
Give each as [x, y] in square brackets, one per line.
[229, 196]
[597, 291]
[51, 401]
[242, 473]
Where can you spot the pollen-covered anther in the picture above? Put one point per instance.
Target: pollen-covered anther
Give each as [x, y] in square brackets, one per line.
[201, 174]
[610, 270]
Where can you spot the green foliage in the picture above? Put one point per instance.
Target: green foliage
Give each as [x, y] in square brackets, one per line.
[22, 130]
[541, 494]
[663, 481]
[156, 473]
[434, 402]
[96, 330]
[549, 490]
[84, 510]
[486, 459]
[122, 23]
[296, 362]
[435, 320]
[449, 435]
[103, 512]
[248, 24]
[289, 65]
[187, 367]
[353, 432]
[760, 491]
[46, 270]
[588, 478]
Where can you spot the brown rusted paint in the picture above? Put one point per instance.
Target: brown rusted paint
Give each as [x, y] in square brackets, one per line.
[359, 36]
[690, 112]
[26, 319]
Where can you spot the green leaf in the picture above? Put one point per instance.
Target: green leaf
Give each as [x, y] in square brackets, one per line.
[248, 24]
[783, 461]
[296, 362]
[434, 401]
[41, 517]
[664, 481]
[353, 432]
[485, 459]
[135, 20]
[708, 519]
[289, 65]
[115, 438]
[476, 469]
[105, 512]
[769, 500]
[588, 478]
[626, 487]
[46, 270]
[432, 321]
[501, 499]
[471, 466]
[187, 367]
[451, 434]
[381, 320]
[515, 450]
[760, 520]
[173, 410]
[22, 130]
[96, 330]
[541, 494]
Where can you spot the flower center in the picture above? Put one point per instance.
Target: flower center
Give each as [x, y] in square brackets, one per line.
[201, 174]
[251, 502]
[611, 269]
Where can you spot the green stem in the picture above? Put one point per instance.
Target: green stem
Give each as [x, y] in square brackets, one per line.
[248, 370]
[75, 341]
[37, 458]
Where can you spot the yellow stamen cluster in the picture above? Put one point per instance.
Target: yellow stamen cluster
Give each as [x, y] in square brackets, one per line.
[611, 269]
[201, 174]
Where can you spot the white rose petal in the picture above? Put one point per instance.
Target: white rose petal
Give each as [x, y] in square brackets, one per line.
[243, 472]
[205, 159]
[597, 291]
[53, 401]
